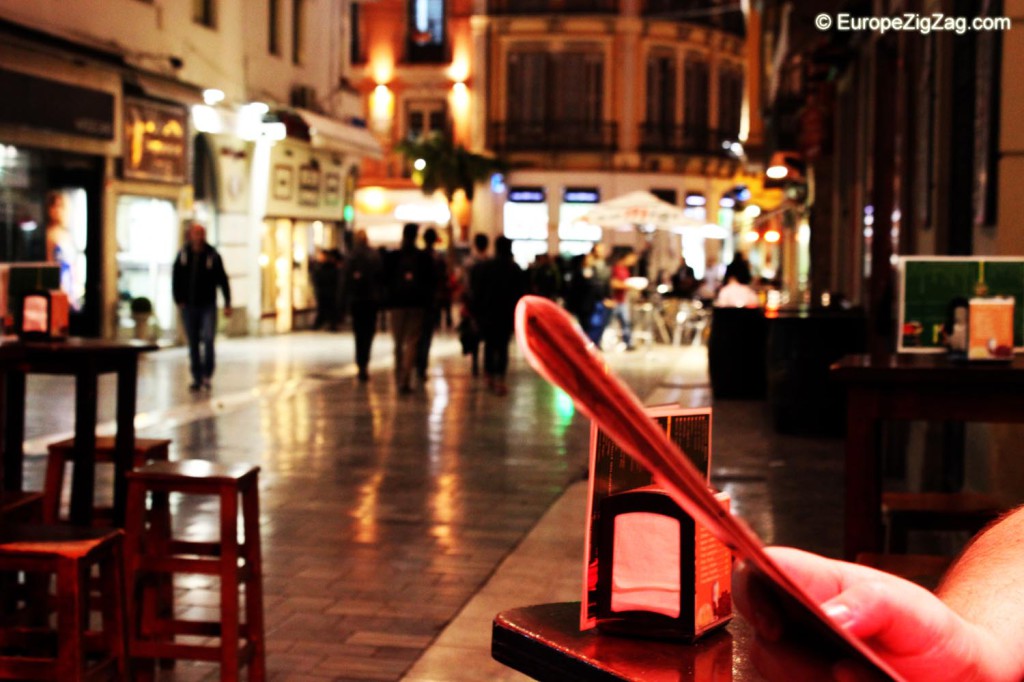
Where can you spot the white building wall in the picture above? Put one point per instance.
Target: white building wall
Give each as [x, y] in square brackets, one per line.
[272, 77]
[149, 35]
[233, 56]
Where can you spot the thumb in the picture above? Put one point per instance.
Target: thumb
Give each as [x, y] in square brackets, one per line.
[900, 617]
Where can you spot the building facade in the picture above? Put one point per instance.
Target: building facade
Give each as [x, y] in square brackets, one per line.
[585, 100]
[126, 120]
[913, 141]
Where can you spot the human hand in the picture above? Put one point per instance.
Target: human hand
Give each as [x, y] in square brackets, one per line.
[227, 311]
[906, 625]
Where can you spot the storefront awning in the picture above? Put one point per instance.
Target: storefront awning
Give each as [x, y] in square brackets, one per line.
[332, 134]
[168, 89]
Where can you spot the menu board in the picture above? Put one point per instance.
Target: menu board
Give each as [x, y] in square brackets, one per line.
[928, 284]
[612, 471]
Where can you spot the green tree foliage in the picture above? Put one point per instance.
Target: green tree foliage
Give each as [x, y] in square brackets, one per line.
[447, 167]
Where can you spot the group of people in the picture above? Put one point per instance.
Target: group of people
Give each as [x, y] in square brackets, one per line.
[416, 285]
[597, 292]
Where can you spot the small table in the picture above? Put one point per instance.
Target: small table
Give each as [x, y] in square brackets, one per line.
[545, 642]
[85, 359]
[909, 387]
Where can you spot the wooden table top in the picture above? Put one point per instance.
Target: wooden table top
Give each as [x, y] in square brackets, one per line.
[65, 356]
[545, 642]
[76, 344]
[926, 368]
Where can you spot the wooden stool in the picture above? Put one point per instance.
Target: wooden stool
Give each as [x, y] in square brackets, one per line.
[153, 555]
[73, 651]
[903, 512]
[17, 507]
[62, 452]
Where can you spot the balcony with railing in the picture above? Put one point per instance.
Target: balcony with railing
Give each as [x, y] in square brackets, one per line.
[712, 13]
[553, 6]
[681, 139]
[560, 136]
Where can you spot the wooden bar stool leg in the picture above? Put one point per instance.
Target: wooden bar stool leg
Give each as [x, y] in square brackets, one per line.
[135, 521]
[114, 630]
[71, 604]
[254, 586]
[229, 615]
[162, 593]
[53, 486]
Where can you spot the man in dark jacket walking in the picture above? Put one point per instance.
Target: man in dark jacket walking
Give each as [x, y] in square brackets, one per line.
[409, 277]
[198, 273]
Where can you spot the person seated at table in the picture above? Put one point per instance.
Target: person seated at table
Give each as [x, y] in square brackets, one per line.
[684, 282]
[737, 292]
[971, 628]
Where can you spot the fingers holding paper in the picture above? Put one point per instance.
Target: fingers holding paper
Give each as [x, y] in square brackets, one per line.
[905, 624]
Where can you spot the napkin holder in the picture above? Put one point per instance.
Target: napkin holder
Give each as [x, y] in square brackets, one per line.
[44, 315]
[659, 573]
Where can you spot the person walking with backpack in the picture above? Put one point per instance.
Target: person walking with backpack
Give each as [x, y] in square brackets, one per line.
[197, 274]
[409, 279]
[362, 288]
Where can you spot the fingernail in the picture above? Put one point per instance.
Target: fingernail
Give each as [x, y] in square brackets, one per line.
[840, 614]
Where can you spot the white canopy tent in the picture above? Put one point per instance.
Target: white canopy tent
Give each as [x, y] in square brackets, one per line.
[647, 213]
[641, 209]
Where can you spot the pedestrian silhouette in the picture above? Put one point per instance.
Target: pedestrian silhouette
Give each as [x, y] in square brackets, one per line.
[361, 294]
[409, 282]
[498, 284]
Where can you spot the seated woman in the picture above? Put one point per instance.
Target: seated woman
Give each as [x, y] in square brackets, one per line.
[737, 292]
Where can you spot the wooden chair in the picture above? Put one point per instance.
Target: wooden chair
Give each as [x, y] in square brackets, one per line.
[924, 569]
[152, 555]
[62, 452]
[964, 511]
[73, 651]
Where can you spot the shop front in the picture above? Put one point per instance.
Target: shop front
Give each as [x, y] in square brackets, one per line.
[542, 212]
[54, 160]
[383, 211]
[149, 203]
[577, 237]
[222, 170]
[526, 222]
[304, 214]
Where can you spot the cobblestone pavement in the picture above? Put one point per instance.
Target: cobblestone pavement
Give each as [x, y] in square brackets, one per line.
[383, 514]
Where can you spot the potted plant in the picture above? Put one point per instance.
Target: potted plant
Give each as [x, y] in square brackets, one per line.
[142, 311]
